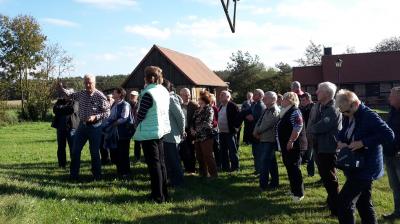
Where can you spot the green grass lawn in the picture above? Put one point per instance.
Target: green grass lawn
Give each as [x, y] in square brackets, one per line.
[34, 190]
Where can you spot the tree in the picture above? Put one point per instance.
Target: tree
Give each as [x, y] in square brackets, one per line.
[312, 54]
[389, 44]
[284, 68]
[350, 50]
[21, 45]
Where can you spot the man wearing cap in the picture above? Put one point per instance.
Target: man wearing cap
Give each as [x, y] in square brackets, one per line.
[93, 109]
[134, 102]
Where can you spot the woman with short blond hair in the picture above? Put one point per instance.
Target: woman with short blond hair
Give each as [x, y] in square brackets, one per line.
[292, 140]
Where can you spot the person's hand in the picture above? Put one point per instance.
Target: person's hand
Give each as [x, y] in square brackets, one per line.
[250, 117]
[341, 145]
[289, 145]
[355, 145]
[91, 119]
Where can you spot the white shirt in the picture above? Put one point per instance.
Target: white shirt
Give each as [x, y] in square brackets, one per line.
[223, 120]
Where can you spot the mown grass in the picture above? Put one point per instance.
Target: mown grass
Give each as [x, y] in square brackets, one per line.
[34, 190]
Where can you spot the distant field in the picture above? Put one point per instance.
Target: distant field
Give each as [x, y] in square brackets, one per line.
[34, 190]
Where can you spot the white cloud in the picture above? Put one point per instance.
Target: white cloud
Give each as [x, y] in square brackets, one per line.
[60, 22]
[109, 4]
[107, 57]
[149, 32]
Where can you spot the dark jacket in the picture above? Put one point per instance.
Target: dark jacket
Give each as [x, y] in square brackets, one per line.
[373, 132]
[284, 131]
[232, 111]
[323, 126]
[191, 109]
[305, 111]
[392, 148]
[65, 114]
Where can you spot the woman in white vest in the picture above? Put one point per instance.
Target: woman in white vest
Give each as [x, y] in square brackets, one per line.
[152, 125]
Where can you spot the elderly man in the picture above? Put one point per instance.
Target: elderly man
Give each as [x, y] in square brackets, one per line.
[323, 127]
[246, 105]
[228, 112]
[187, 147]
[265, 132]
[392, 152]
[306, 104]
[93, 108]
[296, 87]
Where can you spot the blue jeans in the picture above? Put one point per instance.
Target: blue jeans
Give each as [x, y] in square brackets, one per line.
[393, 170]
[268, 164]
[229, 152]
[173, 164]
[82, 135]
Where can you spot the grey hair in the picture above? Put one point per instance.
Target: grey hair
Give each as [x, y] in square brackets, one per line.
[345, 97]
[296, 85]
[226, 92]
[185, 90]
[260, 92]
[90, 77]
[272, 94]
[329, 88]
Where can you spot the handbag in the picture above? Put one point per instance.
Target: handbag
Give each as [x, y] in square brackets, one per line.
[348, 160]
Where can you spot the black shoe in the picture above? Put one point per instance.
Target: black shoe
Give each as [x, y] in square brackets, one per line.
[272, 187]
[391, 216]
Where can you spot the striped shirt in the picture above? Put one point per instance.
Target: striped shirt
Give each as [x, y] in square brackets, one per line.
[95, 104]
[296, 118]
[145, 104]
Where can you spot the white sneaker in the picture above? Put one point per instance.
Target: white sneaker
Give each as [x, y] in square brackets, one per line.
[297, 199]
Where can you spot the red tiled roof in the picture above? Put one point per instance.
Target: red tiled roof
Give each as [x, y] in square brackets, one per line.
[192, 67]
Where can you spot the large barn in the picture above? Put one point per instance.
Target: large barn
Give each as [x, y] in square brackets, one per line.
[369, 75]
[180, 69]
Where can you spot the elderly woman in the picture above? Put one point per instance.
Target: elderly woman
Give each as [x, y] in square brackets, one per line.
[153, 125]
[120, 117]
[363, 131]
[202, 129]
[292, 140]
[264, 131]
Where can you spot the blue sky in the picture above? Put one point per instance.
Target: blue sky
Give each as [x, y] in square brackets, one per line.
[112, 36]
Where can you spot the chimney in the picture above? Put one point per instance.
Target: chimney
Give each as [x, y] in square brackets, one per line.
[327, 51]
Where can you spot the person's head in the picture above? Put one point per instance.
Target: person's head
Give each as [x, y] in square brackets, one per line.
[347, 102]
[305, 99]
[224, 97]
[258, 95]
[185, 95]
[290, 99]
[205, 98]
[394, 97]
[213, 99]
[90, 83]
[133, 96]
[326, 92]
[270, 98]
[168, 85]
[296, 86]
[249, 96]
[153, 75]
[279, 100]
[119, 93]
[110, 98]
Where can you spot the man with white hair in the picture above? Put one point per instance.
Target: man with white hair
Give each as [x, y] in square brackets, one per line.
[93, 109]
[227, 115]
[296, 87]
[323, 127]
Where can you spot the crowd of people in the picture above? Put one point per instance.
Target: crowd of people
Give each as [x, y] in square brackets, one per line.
[179, 135]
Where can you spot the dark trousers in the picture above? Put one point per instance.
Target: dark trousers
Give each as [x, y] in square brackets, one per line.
[310, 160]
[247, 132]
[393, 171]
[356, 193]
[63, 136]
[217, 150]
[204, 154]
[173, 164]
[82, 135]
[122, 157]
[104, 153]
[137, 150]
[327, 171]
[186, 151]
[229, 152]
[268, 165]
[292, 161]
[153, 151]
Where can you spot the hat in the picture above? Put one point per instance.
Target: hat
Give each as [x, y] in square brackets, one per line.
[134, 93]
